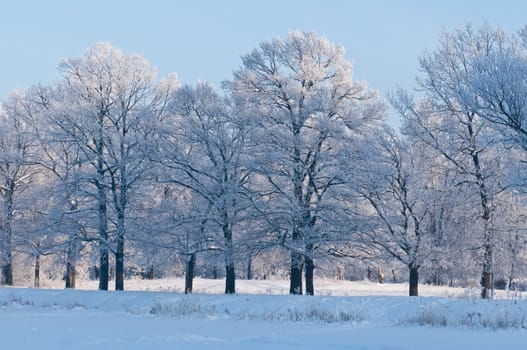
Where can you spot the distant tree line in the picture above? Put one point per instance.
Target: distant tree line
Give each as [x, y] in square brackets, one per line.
[292, 163]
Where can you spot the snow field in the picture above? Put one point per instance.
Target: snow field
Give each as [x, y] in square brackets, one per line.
[323, 286]
[370, 303]
[375, 318]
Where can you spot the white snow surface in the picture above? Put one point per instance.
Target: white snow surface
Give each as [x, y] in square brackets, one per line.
[373, 317]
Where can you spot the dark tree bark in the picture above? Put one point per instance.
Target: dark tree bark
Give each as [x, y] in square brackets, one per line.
[485, 199]
[95, 272]
[104, 265]
[104, 270]
[230, 275]
[70, 274]
[119, 257]
[37, 271]
[6, 254]
[7, 271]
[296, 273]
[249, 269]
[150, 272]
[71, 253]
[102, 202]
[120, 187]
[230, 279]
[486, 279]
[414, 281]
[310, 267]
[189, 273]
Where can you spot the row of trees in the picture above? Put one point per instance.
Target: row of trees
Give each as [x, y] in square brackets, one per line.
[292, 158]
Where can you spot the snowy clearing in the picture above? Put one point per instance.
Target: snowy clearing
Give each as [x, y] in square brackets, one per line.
[80, 319]
[323, 286]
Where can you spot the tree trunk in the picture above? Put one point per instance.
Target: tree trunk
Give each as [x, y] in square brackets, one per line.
[189, 273]
[249, 268]
[71, 257]
[510, 280]
[414, 281]
[70, 274]
[380, 274]
[486, 274]
[514, 251]
[150, 272]
[119, 254]
[120, 198]
[485, 198]
[6, 254]
[230, 279]
[295, 286]
[119, 265]
[486, 278]
[310, 267]
[230, 275]
[102, 202]
[104, 270]
[37, 271]
[104, 265]
[7, 271]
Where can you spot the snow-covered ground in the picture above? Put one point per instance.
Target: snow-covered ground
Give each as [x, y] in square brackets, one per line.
[372, 317]
[325, 287]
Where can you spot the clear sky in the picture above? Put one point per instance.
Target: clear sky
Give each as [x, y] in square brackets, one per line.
[204, 39]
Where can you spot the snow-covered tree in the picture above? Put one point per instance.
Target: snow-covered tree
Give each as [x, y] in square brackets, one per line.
[17, 171]
[398, 200]
[302, 107]
[202, 149]
[106, 104]
[446, 121]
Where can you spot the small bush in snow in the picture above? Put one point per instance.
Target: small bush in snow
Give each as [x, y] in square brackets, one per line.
[429, 317]
[185, 306]
[499, 320]
[17, 300]
[315, 314]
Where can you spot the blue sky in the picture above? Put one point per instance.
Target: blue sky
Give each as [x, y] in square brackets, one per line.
[204, 39]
